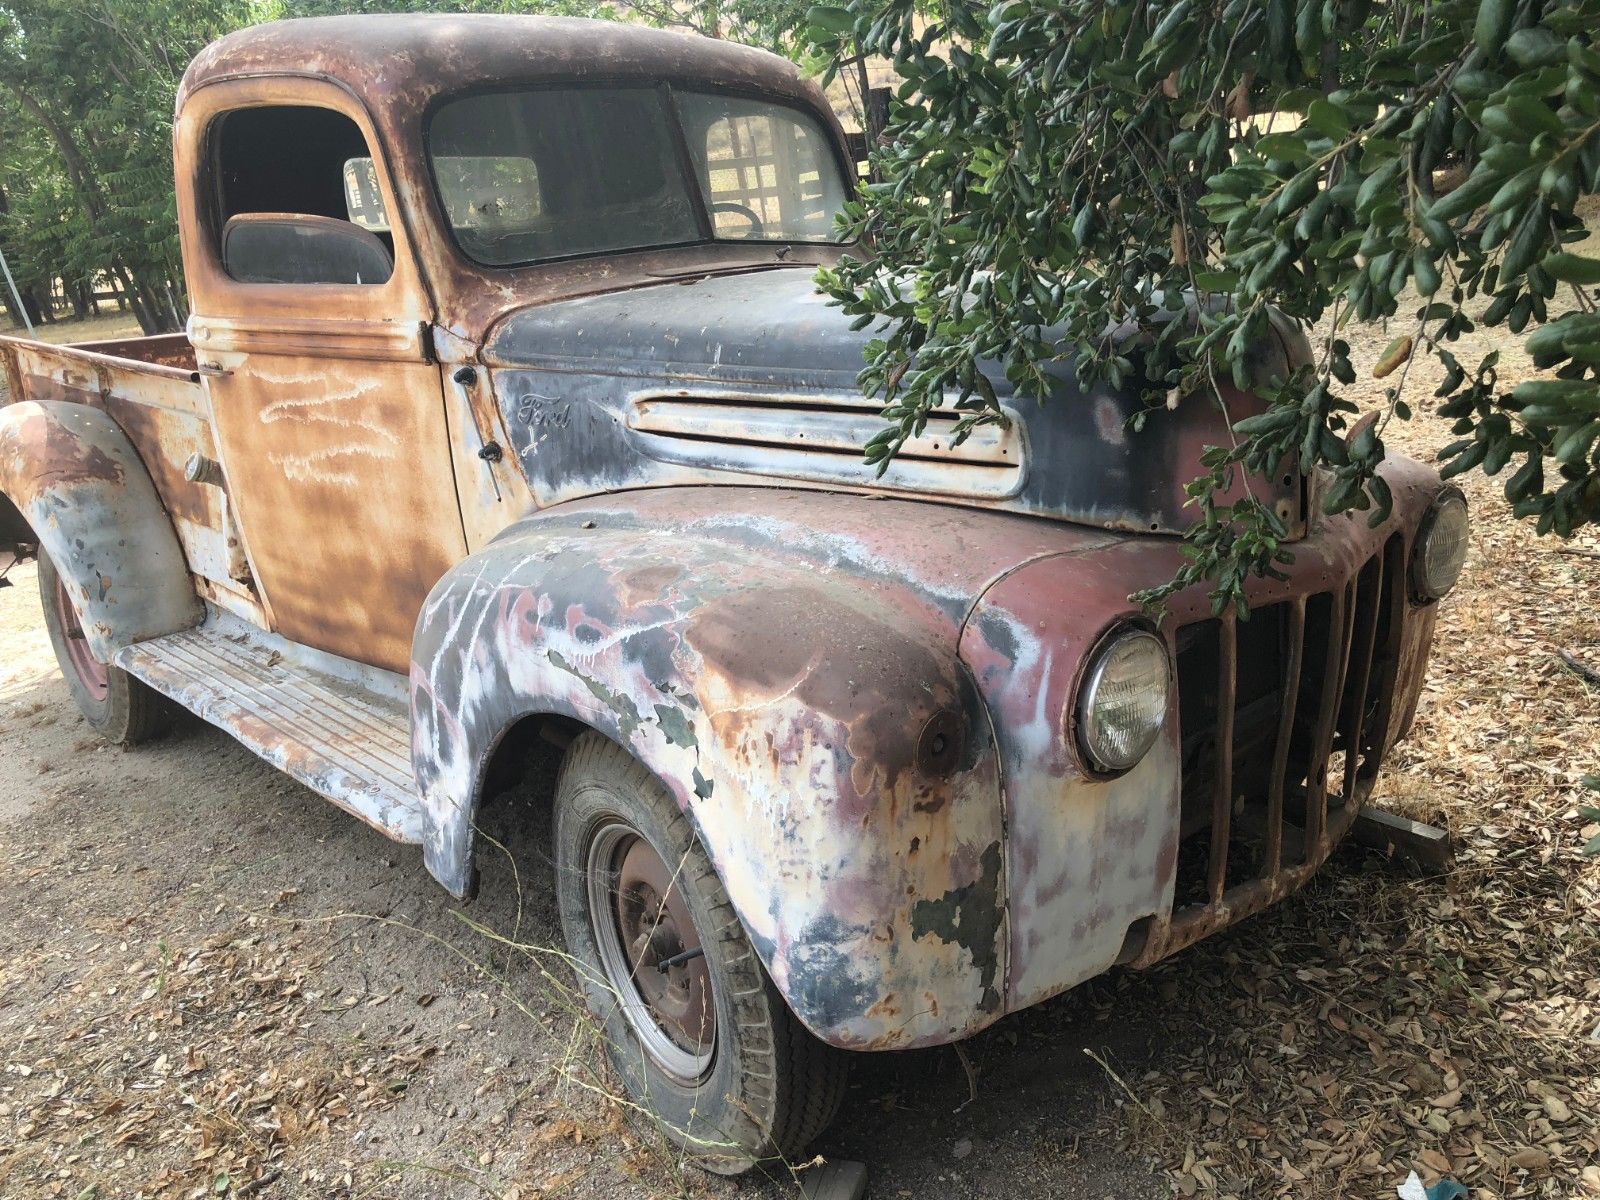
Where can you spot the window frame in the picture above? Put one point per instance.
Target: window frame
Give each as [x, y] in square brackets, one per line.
[664, 90]
[211, 287]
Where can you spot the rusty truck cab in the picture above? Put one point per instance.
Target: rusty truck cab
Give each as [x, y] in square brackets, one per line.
[327, 242]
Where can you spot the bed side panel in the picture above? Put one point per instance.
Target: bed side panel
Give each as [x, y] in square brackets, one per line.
[157, 401]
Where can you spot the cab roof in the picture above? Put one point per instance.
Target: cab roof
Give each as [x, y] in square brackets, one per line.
[414, 57]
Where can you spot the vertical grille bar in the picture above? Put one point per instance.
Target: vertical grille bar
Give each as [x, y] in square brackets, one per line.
[1280, 751]
[1375, 738]
[1222, 796]
[1368, 602]
[1327, 716]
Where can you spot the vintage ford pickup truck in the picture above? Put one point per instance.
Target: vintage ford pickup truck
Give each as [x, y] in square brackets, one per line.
[508, 420]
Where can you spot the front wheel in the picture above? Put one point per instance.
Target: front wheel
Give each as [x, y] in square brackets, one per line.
[122, 709]
[700, 1037]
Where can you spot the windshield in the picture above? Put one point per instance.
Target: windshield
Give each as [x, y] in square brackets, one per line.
[556, 172]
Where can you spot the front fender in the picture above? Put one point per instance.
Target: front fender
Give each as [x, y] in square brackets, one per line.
[76, 478]
[736, 668]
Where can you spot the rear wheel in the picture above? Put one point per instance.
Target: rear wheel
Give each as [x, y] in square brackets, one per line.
[122, 709]
[700, 1037]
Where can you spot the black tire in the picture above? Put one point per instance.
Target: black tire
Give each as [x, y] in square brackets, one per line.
[770, 1086]
[125, 711]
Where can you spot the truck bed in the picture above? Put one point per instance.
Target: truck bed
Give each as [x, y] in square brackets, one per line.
[151, 388]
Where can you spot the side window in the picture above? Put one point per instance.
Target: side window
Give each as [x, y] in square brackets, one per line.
[292, 209]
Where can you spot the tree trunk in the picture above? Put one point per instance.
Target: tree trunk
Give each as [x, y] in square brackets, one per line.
[130, 297]
[150, 306]
[9, 303]
[864, 87]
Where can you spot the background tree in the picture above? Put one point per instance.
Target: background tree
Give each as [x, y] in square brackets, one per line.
[1057, 170]
[95, 81]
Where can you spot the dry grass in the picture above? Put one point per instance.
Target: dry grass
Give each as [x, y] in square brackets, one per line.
[231, 1068]
[109, 325]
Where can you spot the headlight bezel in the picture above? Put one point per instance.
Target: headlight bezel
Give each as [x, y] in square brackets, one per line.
[1096, 662]
[1422, 591]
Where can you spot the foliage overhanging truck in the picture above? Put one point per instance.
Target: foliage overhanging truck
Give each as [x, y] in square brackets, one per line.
[508, 421]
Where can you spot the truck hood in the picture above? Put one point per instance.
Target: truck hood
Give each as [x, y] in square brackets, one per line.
[750, 378]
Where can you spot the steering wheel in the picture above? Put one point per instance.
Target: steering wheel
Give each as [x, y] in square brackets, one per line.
[749, 214]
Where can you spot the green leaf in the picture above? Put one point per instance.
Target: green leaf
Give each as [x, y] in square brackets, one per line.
[1572, 268]
[1532, 116]
[1554, 391]
[1479, 187]
[1286, 146]
[1535, 47]
[830, 18]
[1514, 191]
[1492, 26]
[1327, 119]
[1169, 24]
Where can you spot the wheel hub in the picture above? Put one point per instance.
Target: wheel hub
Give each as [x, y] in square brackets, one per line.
[651, 952]
[91, 672]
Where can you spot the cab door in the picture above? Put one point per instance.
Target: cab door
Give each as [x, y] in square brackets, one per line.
[312, 335]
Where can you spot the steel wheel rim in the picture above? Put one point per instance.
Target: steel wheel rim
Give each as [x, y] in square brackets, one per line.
[639, 919]
[91, 672]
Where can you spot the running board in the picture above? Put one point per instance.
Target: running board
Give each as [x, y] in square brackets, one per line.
[338, 727]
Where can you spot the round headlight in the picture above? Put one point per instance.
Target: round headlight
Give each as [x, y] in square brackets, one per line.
[1124, 700]
[1441, 548]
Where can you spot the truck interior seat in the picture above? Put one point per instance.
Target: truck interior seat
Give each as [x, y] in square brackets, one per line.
[302, 248]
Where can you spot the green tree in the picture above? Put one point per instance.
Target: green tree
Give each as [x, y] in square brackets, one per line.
[95, 80]
[1058, 169]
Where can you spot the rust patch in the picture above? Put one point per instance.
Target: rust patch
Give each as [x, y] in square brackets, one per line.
[162, 350]
[838, 669]
[61, 457]
[165, 441]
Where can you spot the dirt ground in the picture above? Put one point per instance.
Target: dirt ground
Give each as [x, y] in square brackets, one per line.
[212, 983]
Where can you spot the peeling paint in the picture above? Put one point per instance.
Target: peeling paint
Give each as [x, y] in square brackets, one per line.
[73, 474]
[969, 916]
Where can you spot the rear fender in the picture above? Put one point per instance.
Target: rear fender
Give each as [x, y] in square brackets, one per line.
[77, 480]
[815, 725]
